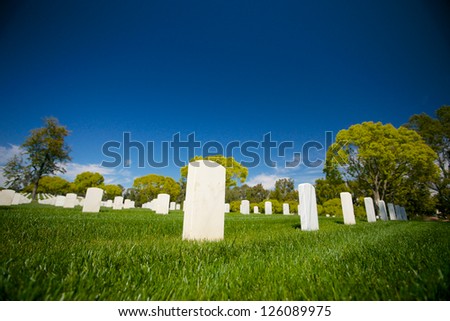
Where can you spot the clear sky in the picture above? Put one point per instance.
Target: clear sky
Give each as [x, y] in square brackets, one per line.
[224, 70]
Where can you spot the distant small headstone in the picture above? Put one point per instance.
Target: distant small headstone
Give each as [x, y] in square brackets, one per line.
[162, 204]
[392, 214]
[382, 209]
[245, 207]
[307, 208]
[347, 208]
[118, 203]
[127, 204]
[70, 200]
[6, 197]
[370, 209]
[286, 209]
[268, 208]
[60, 200]
[227, 208]
[172, 206]
[256, 209]
[204, 216]
[177, 207]
[109, 203]
[93, 200]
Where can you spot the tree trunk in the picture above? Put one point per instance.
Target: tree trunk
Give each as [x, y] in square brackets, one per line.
[376, 196]
[35, 187]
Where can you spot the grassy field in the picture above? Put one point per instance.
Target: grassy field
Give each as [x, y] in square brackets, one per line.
[49, 253]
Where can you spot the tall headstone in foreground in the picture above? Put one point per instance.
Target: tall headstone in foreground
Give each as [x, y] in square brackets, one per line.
[162, 204]
[256, 209]
[70, 200]
[392, 214]
[93, 200]
[347, 208]
[172, 206]
[6, 197]
[268, 208]
[286, 209]
[307, 209]
[204, 216]
[60, 200]
[383, 211]
[245, 207]
[370, 209]
[227, 208]
[118, 203]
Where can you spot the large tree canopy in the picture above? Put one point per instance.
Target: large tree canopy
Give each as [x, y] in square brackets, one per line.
[381, 159]
[87, 179]
[46, 153]
[148, 187]
[436, 133]
[234, 171]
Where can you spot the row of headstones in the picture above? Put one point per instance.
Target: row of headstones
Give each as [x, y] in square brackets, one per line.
[204, 213]
[10, 197]
[162, 204]
[244, 208]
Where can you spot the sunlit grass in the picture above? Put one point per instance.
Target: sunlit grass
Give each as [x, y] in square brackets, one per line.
[52, 253]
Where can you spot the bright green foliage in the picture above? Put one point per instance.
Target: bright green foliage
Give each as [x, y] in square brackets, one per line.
[293, 206]
[381, 159]
[235, 172]
[149, 186]
[46, 151]
[284, 190]
[332, 207]
[52, 185]
[256, 193]
[436, 133]
[85, 180]
[111, 191]
[327, 189]
[50, 253]
[235, 206]
[277, 207]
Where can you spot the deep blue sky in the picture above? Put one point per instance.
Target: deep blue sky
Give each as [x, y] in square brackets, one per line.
[226, 70]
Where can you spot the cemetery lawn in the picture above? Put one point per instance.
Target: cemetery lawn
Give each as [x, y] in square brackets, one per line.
[49, 253]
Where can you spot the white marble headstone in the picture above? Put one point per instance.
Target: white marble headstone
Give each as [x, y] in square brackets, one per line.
[307, 208]
[204, 216]
[392, 214]
[127, 204]
[383, 211]
[6, 197]
[227, 208]
[172, 206]
[370, 209]
[268, 208]
[93, 200]
[286, 209]
[60, 200]
[245, 207]
[347, 208]
[118, 203]
[70, 200]
[256, 209]
[162, 204]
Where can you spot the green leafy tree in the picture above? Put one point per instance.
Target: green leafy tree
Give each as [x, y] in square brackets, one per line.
[149, 186]
[111, 191]
[284, 190]
[235, 172]
[46, 152]
[436, 133]
[52, 185]
[328, 189]
[380, 159]
[17, 174]
[87, 179]
[332, 207]
[257, 193]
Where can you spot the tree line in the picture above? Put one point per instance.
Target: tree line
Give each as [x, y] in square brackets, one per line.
[408, 165]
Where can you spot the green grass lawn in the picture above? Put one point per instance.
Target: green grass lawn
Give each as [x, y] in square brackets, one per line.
[49, 253]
